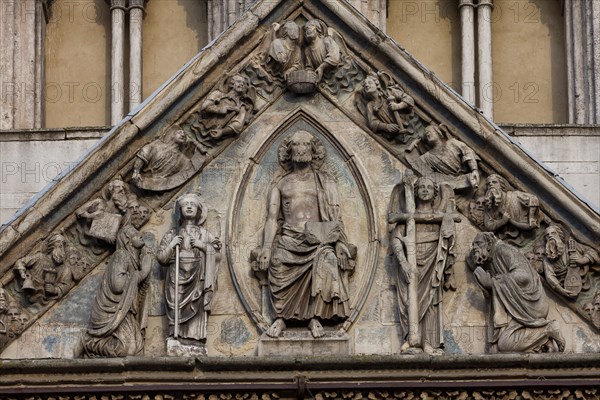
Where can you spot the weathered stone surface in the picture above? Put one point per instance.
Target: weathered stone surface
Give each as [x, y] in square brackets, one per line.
[242, 166]
[294, 343]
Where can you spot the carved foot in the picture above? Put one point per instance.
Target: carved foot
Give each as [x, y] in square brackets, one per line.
[276, 328]
[429, 349]
[316, 328]
[406, 348]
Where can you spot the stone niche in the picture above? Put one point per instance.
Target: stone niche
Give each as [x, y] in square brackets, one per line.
[351, 238]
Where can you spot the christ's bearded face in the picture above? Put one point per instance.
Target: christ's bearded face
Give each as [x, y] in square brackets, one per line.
[301, 148]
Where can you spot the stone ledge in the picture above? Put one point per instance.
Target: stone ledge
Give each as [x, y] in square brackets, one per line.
[53, 134]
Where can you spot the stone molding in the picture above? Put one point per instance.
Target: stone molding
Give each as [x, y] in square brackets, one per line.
[376, 377]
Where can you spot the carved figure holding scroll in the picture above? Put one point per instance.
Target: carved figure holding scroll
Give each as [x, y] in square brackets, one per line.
[100, 218]
[518, 304]
[567, 263]
[225, 113]
[422, 241]
[192, 255]
[386, 111]
[451, 160]
[117, 316]
[46, 274]
[509, 213]
[307, 256]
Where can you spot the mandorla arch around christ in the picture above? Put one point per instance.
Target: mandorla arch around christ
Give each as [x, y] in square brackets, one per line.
[303, 210]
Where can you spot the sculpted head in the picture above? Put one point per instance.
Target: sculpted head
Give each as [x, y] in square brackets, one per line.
[56, 248]
[433, 135]
[482, 247]
[116, 191]
[426, 190]
[301, 148]
[290, 30]
[495, 187]
[138, 213]
[588, 308]
[238, 84]
[371, 86]
[555, 241]
[313, 29]
[175, 135]
[597, 302]
[190, 206]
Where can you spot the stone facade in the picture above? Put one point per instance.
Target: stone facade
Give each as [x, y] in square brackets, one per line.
[302, 188]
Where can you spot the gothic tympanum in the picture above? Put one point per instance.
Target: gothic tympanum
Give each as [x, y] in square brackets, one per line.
[305, 248]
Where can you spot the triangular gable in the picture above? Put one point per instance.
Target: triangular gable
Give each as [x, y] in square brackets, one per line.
[335, 114]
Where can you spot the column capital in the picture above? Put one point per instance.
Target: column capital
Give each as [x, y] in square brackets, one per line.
[141, 4]
[465, 3]
[486, 3]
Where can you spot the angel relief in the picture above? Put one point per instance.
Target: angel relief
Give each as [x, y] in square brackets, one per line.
[303, 58]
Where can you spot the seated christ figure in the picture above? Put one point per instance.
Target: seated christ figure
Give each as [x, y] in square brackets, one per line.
[305, 249]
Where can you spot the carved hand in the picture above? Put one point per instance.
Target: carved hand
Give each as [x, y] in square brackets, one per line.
[198, 243]
[176, 241]
[216, 243]
[136, 175]
[392, 128]
[265, 258]
[483, 277]
[582, 260]
[50, 289]
[343, 254]
[474, 178]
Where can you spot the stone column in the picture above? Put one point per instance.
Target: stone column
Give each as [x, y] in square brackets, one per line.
[484, 52]
[117, 81]
[222, 13]
[136, 16]
[467, 26]
[22, 30]
[582, 31]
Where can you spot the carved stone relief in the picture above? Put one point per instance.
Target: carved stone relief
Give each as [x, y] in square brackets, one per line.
[511, 214]
[99, 219]
[567, 263]
[192, 255]
[119, 311]
[48, 274]
[310, 260]
[449, 160]
[518, 305]
[387, 108]
[423, 242]
[223, 113]
[168, 162]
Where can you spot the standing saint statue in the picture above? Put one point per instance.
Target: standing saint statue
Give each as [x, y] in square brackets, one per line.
[192, 255]
[305, 248]
[422, 240]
